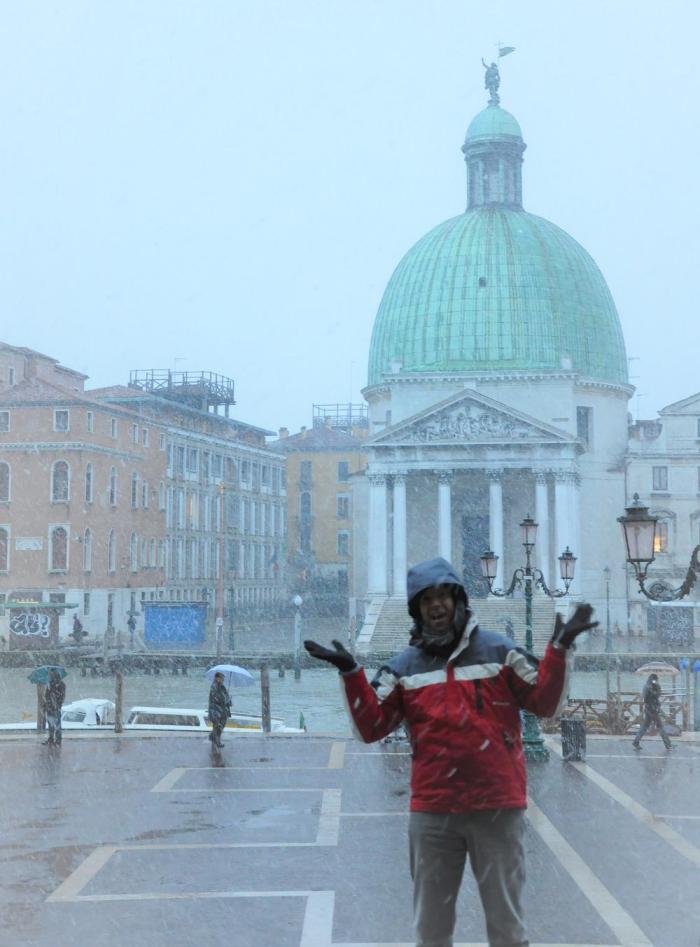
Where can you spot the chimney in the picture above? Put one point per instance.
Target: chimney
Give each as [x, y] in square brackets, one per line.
[283, 432]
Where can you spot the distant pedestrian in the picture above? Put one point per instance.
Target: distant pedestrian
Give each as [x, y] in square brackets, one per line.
[53, 702]
[219, 709]
[131, 625]
[651, 696]
[78, 633]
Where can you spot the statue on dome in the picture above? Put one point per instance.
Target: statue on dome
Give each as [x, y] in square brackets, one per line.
[492, 81]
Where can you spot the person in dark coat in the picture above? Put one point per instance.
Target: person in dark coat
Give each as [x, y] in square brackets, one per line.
[459, 691]
[54, 696]
[651, 697]
[219, 709]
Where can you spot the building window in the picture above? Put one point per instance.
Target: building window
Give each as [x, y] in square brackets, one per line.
[4, 549]
[144, 436]
[113, 486]
[192, 460]
[161, 441]
[661, 537]
[135, 433]
[134, 552]
[87, 550]
[305, 473]
[161, 495]
[584, 428]
[206, 465]
[180, 508]
[86, 603]
[58, 549]
[216, 466]
[61, 419]
[161, 553]
[180, 461]
[113, 427]
[144, 553]
[90, 422]
[343, 543]
[60, 482]
[4, 482]
[11, 376]
[659, 479]
[112, 551]
[88, 483]
[152, 554]
[275, 479]
[343, 471]
[265, 475]
[134, 490]
[144, 494]
[4, 422]
[245, 471]
[342, 506]
[305, 522]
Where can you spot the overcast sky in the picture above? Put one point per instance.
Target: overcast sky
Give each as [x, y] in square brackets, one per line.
[228, 185]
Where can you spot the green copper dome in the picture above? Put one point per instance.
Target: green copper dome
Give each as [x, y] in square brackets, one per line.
[497, 289]
[493, 121]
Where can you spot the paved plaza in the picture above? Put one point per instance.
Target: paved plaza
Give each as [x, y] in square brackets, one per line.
[301, 842]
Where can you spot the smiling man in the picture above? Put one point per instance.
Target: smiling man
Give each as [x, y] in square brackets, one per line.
[459, 691]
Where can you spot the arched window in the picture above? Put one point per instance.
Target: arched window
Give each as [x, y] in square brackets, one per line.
[144, 553]
[152, 554]
[58, 549]
[134, 490]
[305, 521]
[87, 550]
[161, 553]
[4, 482]
[88, 483]
[134, 552]
[60, 482]
[161, 495]
[4, 550]
[112, 550]
[113, 486]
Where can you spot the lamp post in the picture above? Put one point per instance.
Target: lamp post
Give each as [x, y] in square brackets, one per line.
[297, 602]
[525, 577]
[639, 533]
[608, 633]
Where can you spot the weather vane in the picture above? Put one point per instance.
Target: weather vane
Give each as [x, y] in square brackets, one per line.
[492, 77]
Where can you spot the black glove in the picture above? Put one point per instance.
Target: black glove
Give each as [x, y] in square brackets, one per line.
[338, 656]
[565, 633]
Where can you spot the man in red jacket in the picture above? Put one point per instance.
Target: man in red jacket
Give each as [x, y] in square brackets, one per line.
[459, 691]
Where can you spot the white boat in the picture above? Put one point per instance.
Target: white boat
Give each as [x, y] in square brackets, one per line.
[85, 714]
[95, 712]
[182, 718]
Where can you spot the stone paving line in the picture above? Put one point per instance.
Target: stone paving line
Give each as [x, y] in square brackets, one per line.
[318, 917]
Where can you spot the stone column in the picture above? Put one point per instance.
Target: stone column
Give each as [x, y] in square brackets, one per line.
[495, 478]
[399, 564]
[542, 517]
[567, 515]
[445, 514]
[377, 536]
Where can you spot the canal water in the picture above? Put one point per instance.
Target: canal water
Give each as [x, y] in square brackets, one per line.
[316, 696]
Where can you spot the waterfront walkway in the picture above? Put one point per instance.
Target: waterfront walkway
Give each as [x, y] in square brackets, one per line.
[301, 842]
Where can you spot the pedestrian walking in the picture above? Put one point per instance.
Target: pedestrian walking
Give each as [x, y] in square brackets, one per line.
[54, 696]
[219, 709]
[651, 697]
[459, 689]
[131, 625]
[78, 633]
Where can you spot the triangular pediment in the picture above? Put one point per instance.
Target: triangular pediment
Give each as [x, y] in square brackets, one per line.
[689, 405]
[470, 418]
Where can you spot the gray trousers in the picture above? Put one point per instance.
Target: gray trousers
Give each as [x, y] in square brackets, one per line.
[439, 846]
[653, 717]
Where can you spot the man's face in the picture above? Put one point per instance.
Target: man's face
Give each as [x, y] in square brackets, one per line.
[437, 608]
[218, 679]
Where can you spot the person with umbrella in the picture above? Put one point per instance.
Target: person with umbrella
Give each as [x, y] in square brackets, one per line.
[219, 708]
[53, 703]
[651, 696]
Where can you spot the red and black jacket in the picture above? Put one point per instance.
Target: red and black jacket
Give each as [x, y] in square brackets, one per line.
[463, 717]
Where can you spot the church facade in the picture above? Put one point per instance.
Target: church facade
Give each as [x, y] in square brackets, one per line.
[497, 387]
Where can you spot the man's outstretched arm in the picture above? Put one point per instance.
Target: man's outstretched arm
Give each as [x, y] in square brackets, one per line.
[375, 709]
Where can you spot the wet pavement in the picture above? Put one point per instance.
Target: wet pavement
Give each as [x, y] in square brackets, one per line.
[301, 842]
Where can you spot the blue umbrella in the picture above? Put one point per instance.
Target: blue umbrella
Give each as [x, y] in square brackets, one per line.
[233, 675]
[41, 675]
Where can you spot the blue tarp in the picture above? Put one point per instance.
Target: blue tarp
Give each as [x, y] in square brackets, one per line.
[169, 626]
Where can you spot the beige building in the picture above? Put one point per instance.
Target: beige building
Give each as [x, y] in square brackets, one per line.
[81, 517]
[321, 461]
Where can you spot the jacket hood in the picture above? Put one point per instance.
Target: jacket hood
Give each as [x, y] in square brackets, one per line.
[428, 574]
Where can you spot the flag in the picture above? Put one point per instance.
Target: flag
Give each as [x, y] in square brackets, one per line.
[504, 50]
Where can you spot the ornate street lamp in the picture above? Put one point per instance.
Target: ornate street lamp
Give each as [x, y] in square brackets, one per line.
[639, 533]
[524, 577]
